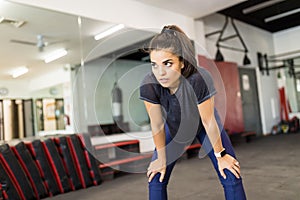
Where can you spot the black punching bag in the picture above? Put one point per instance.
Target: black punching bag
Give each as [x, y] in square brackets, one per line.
[117, 104]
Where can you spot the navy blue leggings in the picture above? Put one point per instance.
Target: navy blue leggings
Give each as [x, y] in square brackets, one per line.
[233, 187]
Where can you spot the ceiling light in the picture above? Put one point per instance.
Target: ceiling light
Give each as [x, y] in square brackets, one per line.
[285, 14]
[15, 23]
[19, 71]
[260, 6]
[56, 55]
[18, 24]
[109, 31]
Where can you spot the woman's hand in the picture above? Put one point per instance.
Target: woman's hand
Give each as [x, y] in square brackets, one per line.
[157, 166]
[230, 163]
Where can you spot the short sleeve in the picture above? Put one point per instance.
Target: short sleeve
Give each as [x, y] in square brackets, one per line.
[203, 85]
[148, 89]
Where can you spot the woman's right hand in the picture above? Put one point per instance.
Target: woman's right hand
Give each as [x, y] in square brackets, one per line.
[157, 166]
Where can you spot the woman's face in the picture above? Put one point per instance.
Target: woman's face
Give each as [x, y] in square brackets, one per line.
[166, 67]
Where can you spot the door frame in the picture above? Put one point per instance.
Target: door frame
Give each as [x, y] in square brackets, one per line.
[254, 86]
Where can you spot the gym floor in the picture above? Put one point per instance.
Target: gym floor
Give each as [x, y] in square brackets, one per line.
[270, 170]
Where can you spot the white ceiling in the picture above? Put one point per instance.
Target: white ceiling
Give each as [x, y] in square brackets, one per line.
[192, 8]
[63, 29]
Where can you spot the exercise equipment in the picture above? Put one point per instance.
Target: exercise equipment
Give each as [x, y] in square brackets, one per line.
[47, 171]
[30, 169]
[17, 183]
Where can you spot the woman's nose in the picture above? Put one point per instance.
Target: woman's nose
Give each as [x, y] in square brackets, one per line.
[161, 70]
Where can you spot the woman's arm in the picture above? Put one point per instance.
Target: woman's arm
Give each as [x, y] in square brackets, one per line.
[159, 138]
[206, 110]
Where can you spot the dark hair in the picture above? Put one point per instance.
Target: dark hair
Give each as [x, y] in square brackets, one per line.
[173, 39]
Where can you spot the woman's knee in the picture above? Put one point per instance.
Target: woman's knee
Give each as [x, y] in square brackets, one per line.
[233, 187]
[231, 179]
[155, 184]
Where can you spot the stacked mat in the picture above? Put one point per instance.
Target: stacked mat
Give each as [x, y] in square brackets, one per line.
[47, 167]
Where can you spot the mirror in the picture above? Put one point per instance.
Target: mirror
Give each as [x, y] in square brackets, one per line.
[26, 40]
[114, 60]
[293, 86]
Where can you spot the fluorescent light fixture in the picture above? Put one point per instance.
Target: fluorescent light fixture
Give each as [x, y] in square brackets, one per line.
[56, 55]
[19, 71]
[260, 6]
[285, 14]
[109, 31]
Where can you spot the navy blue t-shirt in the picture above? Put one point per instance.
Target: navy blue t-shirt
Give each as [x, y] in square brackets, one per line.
[180, 109]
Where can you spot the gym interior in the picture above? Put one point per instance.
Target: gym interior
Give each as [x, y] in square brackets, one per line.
[72, 125]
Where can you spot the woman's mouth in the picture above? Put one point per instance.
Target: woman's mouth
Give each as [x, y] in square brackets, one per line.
[163, 80]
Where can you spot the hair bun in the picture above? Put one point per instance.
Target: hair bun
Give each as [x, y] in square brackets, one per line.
[168, 29]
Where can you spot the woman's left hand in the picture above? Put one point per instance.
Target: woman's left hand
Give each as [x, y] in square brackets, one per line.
[230, 163]
[157, 166]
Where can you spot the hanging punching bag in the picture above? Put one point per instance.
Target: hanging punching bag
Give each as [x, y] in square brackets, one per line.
[117, 104]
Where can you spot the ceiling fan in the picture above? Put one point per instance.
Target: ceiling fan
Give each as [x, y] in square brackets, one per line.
[40, 43]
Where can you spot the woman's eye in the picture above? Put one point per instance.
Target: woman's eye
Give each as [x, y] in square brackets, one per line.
[168, 64]
[154, 65]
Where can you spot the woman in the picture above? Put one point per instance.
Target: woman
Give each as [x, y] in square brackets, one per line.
[179, 99]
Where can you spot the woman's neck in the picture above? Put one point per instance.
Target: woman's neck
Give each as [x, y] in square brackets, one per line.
[173, 89]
